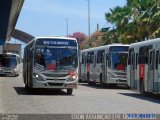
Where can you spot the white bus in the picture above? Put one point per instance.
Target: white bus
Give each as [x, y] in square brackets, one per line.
[143, 70]
[105, 64]
[51, 62]
[10, 64]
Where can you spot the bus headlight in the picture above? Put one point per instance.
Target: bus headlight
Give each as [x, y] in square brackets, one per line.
[72, 75]
[111, 75]
[38, 77]
[72, 78]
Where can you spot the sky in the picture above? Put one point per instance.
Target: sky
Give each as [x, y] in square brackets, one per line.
[47, 17]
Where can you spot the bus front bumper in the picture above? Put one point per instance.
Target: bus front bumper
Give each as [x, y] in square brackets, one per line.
[11, 72]
[118, 81]
[56, 85]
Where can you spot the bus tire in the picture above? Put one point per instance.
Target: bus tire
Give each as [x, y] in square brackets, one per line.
[128, 87]
[100, 77]
[69, 91]
[142, 91]
[88, 79]
[16, 75]
[102, 84]
[26, 87]
[31, 90]
[80, 80]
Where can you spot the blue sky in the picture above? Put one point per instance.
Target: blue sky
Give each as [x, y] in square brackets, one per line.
[47, 17]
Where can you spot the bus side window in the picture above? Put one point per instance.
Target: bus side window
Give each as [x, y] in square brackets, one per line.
[108, 59]
[92, 57]
[100, 54]
[136, 60]
[82, 59]
[94, 60]
[88, 58]
[85, 60]
[157, 57]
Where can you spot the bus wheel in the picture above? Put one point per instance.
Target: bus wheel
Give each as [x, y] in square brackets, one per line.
[69, 91]
[32, 90]
[142, 91]
[16, 75]
[102, 84]
[26, 86]
[88, 79]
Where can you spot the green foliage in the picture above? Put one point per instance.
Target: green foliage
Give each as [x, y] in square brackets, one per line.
[136, 21]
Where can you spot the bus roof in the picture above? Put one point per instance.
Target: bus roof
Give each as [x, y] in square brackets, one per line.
[144, 43]
[10, 54]
[50, 37]
[56, 37]
[104, 47]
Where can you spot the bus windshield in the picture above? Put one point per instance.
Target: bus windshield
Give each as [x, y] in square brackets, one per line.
[56, 59]
[118, 57]
[8, 61]
[119, 60]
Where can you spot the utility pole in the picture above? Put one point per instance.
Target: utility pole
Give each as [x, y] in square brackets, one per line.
[66, 26]
[89, 18]
[97, 27]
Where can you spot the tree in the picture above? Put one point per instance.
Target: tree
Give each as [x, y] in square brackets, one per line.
[81, 37]
[136, 21]
[96, 39]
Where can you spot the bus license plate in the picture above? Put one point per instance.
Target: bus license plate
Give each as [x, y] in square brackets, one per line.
[71, 86]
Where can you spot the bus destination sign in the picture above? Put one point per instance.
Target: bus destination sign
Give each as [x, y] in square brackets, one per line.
[55, 42]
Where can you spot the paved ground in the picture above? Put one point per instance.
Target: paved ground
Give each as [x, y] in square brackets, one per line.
[86, 99]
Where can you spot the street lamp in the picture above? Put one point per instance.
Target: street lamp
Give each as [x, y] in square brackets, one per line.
[66, 21]
[66, 25]
[88, 18]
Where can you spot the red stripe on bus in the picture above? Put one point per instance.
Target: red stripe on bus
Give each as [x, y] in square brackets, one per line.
[141, 71]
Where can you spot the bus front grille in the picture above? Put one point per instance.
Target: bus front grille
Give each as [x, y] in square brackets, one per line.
[55, 84]
[55, 75]
[56, 79]
[120, 73]
[122, 80]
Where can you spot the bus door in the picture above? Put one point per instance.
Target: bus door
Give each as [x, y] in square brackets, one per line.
[104, 68]
[94, 68]
[30, 66]
[91, 71]
[155, 84]
[133, 72]
[151, 70]
[158, 73]
[83, 67]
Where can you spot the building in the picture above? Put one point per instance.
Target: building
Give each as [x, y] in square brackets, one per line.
[12, 48]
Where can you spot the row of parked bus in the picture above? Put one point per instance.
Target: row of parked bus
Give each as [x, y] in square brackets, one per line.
[104, 64]
[57, 62]
[136, 65]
